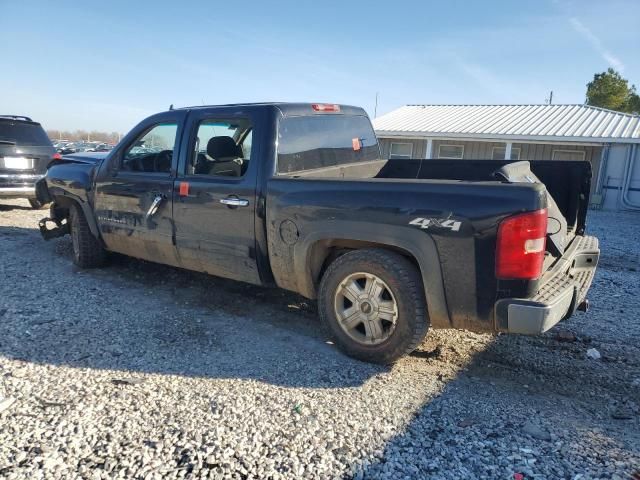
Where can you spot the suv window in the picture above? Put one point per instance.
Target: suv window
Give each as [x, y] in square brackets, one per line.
[309, 142]
[222, 148]
[19, 132]
[152, 151]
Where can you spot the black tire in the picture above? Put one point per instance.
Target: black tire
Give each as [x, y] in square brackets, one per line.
[36, 205]
[88, 251]
[404, 282]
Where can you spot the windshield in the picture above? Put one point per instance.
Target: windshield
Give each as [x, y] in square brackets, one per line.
[23, 133]
[309, 142]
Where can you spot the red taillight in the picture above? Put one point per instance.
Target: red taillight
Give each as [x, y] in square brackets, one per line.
[56, 156]
[325, 107]
[520, 246]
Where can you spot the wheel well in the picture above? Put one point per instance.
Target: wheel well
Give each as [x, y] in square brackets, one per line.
[324, 252]
[61, 207]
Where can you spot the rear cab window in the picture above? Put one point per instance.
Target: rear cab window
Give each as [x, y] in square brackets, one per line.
[19, 132]
[324, 140]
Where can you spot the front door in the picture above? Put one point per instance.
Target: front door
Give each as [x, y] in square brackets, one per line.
[133, 200]
[215, 196]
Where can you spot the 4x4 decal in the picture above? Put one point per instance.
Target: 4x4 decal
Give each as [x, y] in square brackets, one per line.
[425, 223]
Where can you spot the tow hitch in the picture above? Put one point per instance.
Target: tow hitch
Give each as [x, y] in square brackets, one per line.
[61, 228]
[584, 306]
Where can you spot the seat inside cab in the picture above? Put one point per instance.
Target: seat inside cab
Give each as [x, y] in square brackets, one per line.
[228, 148]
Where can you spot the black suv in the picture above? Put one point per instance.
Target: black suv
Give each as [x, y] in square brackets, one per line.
[25, 152]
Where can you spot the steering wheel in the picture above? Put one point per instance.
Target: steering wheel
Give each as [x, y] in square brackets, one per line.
[165, 156]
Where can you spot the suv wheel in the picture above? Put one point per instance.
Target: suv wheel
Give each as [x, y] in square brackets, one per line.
[372, 301]
[88, 252]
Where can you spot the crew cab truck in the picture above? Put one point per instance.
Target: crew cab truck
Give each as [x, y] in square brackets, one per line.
[297, 196]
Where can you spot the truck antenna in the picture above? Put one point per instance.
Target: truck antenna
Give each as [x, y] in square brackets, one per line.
[171, 107]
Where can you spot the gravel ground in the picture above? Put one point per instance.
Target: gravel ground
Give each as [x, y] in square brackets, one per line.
[144, 371]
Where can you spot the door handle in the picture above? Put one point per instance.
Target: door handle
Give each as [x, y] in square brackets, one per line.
[154, 206]
[234, 202]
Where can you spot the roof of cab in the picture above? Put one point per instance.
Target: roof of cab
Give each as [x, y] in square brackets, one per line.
[286, 108]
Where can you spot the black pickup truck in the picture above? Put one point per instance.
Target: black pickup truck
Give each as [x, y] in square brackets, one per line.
[297, 195]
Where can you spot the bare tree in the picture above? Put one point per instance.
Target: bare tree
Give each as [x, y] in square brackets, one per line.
[83, 136]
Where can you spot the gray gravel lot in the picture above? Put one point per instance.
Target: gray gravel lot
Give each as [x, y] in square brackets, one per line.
[144, 371]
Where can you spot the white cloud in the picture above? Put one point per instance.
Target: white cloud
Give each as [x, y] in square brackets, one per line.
[597, 44]
[493, 86]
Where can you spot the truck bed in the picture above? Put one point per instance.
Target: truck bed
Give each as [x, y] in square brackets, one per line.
[568, 182]
[324, 199]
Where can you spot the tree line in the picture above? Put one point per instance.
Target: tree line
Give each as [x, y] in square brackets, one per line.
[609, 90]
[84, 136]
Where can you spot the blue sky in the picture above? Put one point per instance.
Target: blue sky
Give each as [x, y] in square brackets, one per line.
[106, 65]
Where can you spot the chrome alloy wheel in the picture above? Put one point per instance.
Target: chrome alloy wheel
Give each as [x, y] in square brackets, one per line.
[365, 308]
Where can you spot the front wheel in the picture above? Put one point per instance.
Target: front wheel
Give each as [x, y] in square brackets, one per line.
[373, 303]
[88, 252]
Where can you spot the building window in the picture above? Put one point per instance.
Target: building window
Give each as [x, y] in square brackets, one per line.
[568, 155]
[498, 153]
[401, 150]
[451, 151]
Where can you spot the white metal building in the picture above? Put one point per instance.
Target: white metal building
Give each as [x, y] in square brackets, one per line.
[607, 139]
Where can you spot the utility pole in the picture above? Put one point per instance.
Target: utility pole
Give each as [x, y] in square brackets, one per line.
[549, 99]
[375, 110]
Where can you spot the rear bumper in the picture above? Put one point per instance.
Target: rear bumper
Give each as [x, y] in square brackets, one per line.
[563, 289]
[18, 186]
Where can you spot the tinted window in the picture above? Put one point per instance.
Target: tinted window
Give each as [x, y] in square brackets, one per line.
[222, 148]
[305, 143]
[152, 151]
[23, 133]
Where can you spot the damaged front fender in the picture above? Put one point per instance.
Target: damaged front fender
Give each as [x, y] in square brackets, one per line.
[42, 192]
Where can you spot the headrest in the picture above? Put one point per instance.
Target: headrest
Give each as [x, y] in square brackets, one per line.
[223, 147]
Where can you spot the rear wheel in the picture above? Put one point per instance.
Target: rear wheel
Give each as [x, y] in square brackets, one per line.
[88, 252]
[372, 301]
[36, 205]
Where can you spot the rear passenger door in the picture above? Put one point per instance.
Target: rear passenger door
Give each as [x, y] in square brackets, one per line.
[215, 195]
[134, 191]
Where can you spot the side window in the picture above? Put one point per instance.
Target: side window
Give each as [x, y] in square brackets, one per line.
[451, 151]
[498, 153]
[222, 148]
[151, 152]
[568, 155]
[400, 150]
